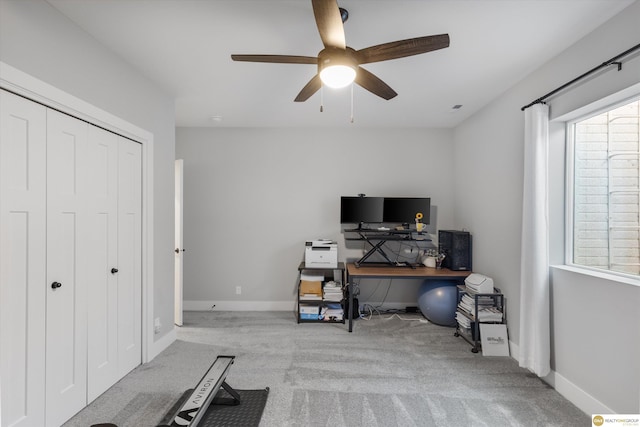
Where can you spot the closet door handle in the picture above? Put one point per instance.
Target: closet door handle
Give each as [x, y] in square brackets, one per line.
[114, 270]
[56, 285]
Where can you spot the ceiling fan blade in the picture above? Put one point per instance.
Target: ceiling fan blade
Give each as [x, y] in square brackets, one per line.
[278, 59]
[402, 48]
[329, 23]
[373, 84]
[310, 88]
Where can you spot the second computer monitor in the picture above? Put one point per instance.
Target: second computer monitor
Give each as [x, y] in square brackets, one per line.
[406, 209]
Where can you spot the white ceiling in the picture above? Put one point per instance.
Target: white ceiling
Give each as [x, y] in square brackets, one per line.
[185, 46]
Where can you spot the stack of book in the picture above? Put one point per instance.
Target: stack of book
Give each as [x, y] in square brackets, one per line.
[332, 312]
[486, 311]
[332, 291]
[463, 321]
[467, 304]
[489, 314]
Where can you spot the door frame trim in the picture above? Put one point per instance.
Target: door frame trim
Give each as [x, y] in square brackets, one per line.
[25, 85]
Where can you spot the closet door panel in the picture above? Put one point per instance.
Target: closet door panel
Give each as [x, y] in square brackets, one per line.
[102, 284]
[129, 254]
[67, 248]
[22, 260]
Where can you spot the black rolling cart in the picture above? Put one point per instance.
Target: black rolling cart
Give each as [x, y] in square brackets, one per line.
[315, 308]
[477, 309]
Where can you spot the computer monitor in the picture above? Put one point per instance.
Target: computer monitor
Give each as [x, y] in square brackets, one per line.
[358, 210]
[404, 209]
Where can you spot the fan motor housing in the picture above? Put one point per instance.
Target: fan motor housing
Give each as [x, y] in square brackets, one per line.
[335, 56]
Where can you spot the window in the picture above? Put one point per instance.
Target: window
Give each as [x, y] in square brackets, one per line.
[606, 189]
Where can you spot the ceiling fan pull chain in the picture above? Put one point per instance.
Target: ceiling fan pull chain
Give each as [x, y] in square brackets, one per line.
[351, 102]
[321, 98]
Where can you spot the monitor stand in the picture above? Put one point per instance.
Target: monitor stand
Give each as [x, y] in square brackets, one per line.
[378, 248]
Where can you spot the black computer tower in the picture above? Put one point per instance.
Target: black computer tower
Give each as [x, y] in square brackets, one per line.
[456, 245]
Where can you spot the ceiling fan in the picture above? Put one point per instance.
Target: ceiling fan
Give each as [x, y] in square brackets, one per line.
[341, 62]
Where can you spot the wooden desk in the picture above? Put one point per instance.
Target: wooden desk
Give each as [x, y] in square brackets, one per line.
[387, 272]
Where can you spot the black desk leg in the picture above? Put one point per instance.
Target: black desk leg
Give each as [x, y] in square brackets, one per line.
[350, 290]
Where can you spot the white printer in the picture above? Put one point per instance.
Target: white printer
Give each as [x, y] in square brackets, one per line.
[321, 254]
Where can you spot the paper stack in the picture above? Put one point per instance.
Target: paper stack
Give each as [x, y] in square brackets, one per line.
[486, 311]
[489, 314]
[463, 321]
[332, 291]
[332, 312]
[467, 304]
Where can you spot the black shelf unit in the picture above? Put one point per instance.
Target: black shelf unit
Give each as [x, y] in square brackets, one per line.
[481, 301]
[337, 274]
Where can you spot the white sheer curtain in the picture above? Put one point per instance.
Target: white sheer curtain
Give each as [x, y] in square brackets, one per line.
[535, 336]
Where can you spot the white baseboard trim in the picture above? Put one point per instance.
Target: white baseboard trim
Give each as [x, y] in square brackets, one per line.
[160, 345]
[272, 305]
[239, 305]
[570, 391]
[583, 400]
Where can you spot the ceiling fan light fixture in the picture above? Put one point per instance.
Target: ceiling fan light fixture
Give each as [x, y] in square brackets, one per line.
[338, 76]
[337, 67]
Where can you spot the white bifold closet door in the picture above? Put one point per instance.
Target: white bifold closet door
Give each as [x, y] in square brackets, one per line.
[103, 285]
[114, 306]
[68, 247]
[22, 260]
[129, 255]
[70, 262]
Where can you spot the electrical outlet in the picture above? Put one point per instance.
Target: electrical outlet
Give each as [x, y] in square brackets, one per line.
[238, 290]
[157, 326]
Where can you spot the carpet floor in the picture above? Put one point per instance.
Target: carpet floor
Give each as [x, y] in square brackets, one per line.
[393, 370]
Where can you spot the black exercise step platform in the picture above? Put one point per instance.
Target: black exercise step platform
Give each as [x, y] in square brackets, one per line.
[207, 405]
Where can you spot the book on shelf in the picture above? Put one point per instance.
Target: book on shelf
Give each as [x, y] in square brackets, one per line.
[463, 320]
[468, 304]
[332, 312]
[332, 291]
[490, 314]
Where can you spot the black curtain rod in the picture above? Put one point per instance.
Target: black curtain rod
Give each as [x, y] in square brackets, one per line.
[612, 61]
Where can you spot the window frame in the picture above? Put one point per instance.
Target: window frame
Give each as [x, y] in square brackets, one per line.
[570, 126]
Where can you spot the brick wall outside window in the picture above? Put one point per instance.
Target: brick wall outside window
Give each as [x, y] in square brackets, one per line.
[606, 190]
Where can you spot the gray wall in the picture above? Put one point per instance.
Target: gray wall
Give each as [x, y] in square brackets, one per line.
[36, 39]
[254, 196]
[595, 321]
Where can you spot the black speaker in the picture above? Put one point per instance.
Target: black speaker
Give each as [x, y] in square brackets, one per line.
[456, 245]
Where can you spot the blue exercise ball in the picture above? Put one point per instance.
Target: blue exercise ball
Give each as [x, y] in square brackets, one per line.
[438, 300]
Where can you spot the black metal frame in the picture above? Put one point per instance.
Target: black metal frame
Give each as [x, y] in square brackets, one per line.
[382, 237]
